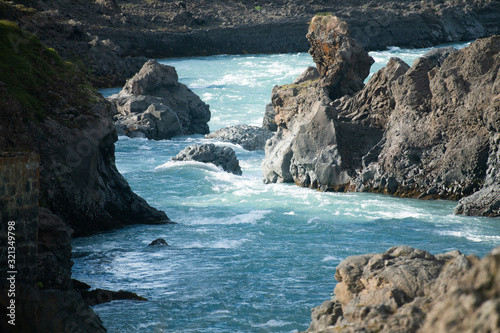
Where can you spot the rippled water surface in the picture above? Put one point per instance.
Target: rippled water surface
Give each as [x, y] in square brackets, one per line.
[245, 256]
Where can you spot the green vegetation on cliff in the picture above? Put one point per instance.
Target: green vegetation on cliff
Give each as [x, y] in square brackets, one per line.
[35, 75]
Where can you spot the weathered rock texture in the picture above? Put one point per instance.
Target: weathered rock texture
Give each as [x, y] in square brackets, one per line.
[306, 148]
[40, 255]
[153, 104]
[249, 137]
[223, 157]
[342, 63]
[423, 131]
[410, 290]
[111, 38]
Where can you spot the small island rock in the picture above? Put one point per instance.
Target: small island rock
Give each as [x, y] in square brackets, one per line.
[153, 104]
[223, 157]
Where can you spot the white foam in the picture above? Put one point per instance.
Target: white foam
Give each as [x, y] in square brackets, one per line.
[331, 258]
[273, 323]
[193, 164]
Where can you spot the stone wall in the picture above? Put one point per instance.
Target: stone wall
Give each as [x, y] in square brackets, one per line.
[19, 177]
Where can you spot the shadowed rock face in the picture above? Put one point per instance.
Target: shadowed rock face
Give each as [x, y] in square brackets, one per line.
[153, 104]
[411, 290]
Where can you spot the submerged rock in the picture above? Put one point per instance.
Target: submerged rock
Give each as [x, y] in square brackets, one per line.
[411, 290]
[153, 104]
[99, 296]
[159, 241]
[249, 137]
[223, 157]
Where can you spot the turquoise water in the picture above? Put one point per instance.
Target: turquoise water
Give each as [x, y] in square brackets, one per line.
[245, 256]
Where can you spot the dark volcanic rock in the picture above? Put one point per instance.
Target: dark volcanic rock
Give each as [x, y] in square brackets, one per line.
[223, 157]
[249, 137]
[159, 241]
[410, 290]
[99, 296]
[70, 126]
[155, 105]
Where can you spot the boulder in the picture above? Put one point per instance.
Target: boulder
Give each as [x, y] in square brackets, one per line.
[153, 104]
[223, 157]
[249, 137]
[411, 290]
[159, 241]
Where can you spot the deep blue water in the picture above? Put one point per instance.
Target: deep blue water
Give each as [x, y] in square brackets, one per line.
[245, 256]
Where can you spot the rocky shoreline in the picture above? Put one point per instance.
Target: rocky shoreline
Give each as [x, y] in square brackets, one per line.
[410, 290]
[113, 38]
[425, 131]
[57, 141]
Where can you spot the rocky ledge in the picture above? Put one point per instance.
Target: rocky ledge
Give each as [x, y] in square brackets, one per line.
[410, 290]
[155, 105]
[249, 137]
[426, 131]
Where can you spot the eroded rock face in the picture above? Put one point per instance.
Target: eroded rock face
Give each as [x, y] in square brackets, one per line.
[153, 104]
[223, 157]
[249, 137]
[411, 290]
[426, 131]
[342, 63]
[307, 148]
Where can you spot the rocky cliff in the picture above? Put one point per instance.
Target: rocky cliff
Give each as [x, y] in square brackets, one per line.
[57, 178]
[422, 131]
[111, 38]
[410, 290]
[48, 107]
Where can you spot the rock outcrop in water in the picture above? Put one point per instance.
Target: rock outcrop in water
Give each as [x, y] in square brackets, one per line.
[223, 157]
[423, 131]
[409, 290]
[155, 105]
[249, 137]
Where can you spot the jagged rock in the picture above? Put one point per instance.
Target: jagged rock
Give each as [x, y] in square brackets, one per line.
[310, 74]
[223, 157]
[268, 120]
[411, 290]
[159, 241]
[153, 104]
[422, 131]
[99, 296]
[342, 63]
[72, 131]
[249, 137]
[307, 146]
